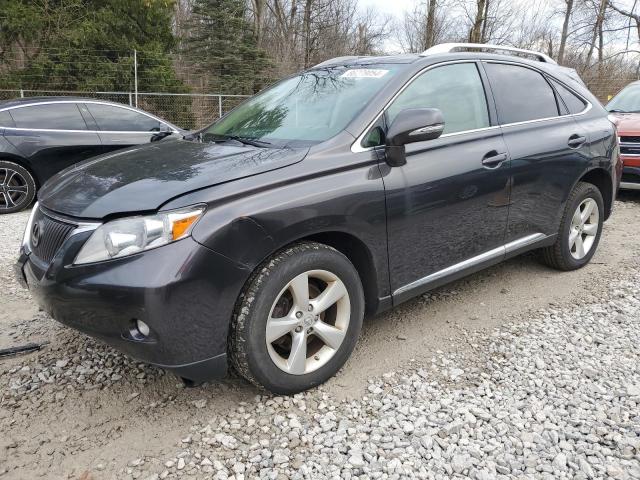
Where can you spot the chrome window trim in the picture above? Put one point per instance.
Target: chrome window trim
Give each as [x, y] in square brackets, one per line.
[93, 102]
[59, 130]
[356, 147]
[470, 262]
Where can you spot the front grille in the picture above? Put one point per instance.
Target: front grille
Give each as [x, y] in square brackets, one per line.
[630, 145]
[51, 234]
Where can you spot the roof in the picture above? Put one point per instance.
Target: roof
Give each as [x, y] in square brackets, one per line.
[30, 100]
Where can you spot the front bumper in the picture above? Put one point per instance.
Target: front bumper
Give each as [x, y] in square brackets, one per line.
[630, 174]
[183, 291]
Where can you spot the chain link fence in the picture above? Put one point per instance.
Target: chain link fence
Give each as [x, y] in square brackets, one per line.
[186, 110]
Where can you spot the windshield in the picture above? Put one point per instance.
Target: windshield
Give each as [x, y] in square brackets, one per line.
[303, 110]
[628, 100]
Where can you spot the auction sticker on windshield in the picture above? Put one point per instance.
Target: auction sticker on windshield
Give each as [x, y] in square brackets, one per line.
[364, 73]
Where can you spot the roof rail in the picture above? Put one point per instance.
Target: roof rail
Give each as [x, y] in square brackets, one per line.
[450, 47]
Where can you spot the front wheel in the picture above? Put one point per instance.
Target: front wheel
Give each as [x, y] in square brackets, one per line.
[580, 229]
[298, 320]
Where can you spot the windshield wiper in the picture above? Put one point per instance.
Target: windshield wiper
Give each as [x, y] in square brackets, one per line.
[245, 140]
[617, 110]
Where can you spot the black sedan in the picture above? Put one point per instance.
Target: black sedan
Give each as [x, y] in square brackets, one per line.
[41, 136]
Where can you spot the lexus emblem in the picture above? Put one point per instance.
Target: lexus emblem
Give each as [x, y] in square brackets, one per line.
[36, 234]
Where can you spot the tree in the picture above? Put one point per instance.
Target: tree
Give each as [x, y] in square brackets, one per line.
[565, 29]
[86, 44]
[223, 46]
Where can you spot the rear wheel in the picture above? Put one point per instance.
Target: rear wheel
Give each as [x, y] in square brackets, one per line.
[580, 229]
[17, 187]
[298, 320]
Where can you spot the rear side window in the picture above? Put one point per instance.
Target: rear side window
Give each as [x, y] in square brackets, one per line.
[6, 120]
[456, 90]
[116, 119]
[573, 103]
[56, 116]
[521, 94]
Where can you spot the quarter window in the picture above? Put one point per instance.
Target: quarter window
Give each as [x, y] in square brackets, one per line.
[455, 89]
[116, 119]
[521, 94]
[573, 103]
[56, 116]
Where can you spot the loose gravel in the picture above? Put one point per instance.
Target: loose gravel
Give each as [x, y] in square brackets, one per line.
[552, 393]
[557, 396]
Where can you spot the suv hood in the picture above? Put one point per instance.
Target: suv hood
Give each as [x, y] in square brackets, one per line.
[144, 178]
[628, 124]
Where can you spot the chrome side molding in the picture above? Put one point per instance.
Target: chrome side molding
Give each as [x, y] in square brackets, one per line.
[478, 259]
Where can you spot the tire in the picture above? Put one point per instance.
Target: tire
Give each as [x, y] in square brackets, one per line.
[17, 187]
[268, 305]
[565, 255]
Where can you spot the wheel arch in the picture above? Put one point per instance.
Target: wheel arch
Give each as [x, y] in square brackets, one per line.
[360, 256]
[7, 157]
[602, 180]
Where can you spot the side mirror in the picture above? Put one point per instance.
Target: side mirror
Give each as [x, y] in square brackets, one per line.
[409, 126]
[164, 128]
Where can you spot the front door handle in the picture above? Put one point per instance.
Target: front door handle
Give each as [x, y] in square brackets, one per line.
[493, 159]
[576, 141]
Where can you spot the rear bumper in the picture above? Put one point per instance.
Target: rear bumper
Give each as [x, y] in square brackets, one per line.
[184, 292]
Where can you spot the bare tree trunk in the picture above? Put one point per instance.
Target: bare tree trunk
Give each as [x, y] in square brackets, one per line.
[485, 22]
[475, 34]
[430, 26]
[565, 30]
[306, 31]
[597, 29]
[258, 20]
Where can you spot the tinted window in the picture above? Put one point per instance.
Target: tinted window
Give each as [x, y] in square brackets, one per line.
[58, 116]
[574, 103]
[6, 120]
[117, 119]
[454, 89]
[521, 93]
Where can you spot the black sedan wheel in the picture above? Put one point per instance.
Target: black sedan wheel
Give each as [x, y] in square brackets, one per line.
[17, 187]
[298, 320]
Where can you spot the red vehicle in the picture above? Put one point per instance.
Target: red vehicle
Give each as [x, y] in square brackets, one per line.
[625, 107]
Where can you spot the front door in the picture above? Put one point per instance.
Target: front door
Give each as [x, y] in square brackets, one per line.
[447, 206]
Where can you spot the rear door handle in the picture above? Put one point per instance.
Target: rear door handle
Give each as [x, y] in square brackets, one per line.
[493, 159]
[576, 141]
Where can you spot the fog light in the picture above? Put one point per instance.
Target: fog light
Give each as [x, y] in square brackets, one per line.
[143, 328]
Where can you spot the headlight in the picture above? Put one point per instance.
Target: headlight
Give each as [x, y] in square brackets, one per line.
[127, 236]
[27, 230]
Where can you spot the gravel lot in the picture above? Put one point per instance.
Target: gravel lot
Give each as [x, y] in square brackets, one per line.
[515, 372]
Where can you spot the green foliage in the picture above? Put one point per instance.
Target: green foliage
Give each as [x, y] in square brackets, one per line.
[86, 44]
[223, 46]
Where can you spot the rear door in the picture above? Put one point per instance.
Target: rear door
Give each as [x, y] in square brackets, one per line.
[547, 149]
[51, 137]
[121, 127]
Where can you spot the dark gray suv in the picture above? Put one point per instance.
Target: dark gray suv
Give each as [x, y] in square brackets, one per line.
[336, 194]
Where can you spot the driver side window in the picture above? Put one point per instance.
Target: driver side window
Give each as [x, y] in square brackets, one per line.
[454, 89]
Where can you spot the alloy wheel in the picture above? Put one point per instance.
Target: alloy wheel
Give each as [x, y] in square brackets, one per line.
[584, 228]
[308, 322]
[14, 189]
